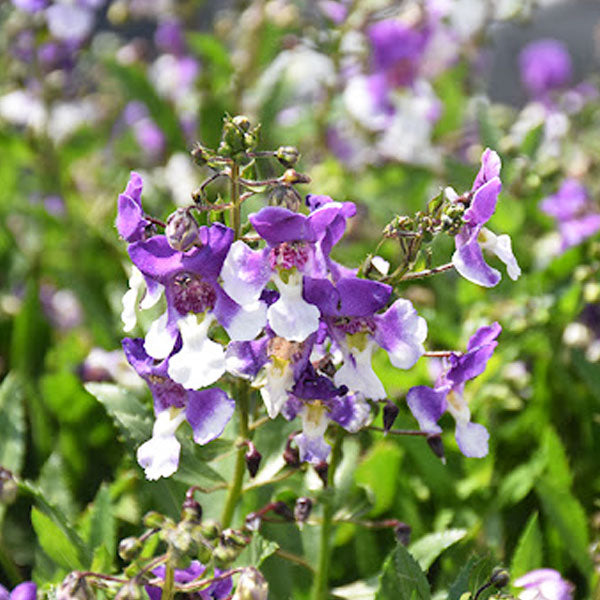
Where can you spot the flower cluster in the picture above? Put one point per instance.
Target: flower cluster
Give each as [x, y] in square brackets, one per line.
[300, 326]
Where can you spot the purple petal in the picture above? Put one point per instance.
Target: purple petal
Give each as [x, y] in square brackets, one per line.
[349, 297]
[276, 224]
[208, 411]
[472, 439]
[350, 411]
[24, 591]
[246, 359]
[545, 65]
[311, 386]
[312, 449]
[469, 262]
[490, 168]
[130, 220]
[570, 199]
[329, 223]
[576, 231]
[219, 590]
[484, 335]
[69, 21]
[484, 202]
[4, 593]
[30, 6]
[427, 406]
[401, 332]
[545, 583]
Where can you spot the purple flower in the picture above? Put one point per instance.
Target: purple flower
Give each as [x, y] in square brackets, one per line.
[428, 404]
[69, 22]
[30, 6]
[545, 65]
[169, 37]
[130, 222]
[24, 591]
[215, 591]
[297, 245]
[576, 217]
[318, 401]
[473, 237]
[207, 412]
[544, 584]
[349, 309]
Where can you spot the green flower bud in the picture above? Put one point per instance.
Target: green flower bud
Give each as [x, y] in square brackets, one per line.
[287, 155]
[74, 587]
[500, 577]
[224, 556]
[242, 122]
[291, 177]
[231, 537]
[251, 586]
[154, 520]
[129, 548]
[130, 591]
[211, 530]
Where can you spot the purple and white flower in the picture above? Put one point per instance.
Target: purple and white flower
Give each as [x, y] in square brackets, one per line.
[544, 584]
[429, 404]
[473, 237]
[207, 411]
[349, 309]
[297, 246]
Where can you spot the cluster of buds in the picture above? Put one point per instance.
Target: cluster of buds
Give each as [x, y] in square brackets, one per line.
[238, 138]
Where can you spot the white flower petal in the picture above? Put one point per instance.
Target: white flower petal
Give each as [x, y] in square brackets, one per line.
[501, 246]
[152, 296]
[200, 361]
[357, 373]
[279, 380]
[160, 340]
[248, 322]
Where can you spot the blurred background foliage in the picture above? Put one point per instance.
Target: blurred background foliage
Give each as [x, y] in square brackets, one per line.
[120, 99]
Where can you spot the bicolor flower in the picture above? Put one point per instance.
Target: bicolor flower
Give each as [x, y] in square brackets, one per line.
[218, 590]
[429, 404]
[279, 362]
[575, 214]
[297, 245]
[473, 237]
[349, 309]
[207, 412]
[318, 401]
[544, 584]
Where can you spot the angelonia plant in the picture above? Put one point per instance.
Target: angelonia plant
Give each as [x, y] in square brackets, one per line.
[260, 309]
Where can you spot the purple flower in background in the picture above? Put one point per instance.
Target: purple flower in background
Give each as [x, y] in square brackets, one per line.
[69, 22]
[349, 309]
[544, 584]
[148, 134]
[207, 412]
[336, 11]
[473, 237]
[30, 6]
[297, 245]
[169, 37]
[545, 65]
[576, 216]
[215, 591]
[429, 404]
[24, 591]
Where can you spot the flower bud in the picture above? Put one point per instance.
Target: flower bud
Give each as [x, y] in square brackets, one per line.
[181, 230]
[291, 177]
[224, 556]
[322, 470]
[302, 509]
[191, 510]
[287, 155]
[211, 530]
[231, 537]
[154, 520]
[130, 591]
[8, 487]
[242, 122]
[390, 412]
[74, 587]
[437, 446]
[283, 510]
[253, 521]
[200, 154]
[253, 458]
[500, 577]
[402, 532]
[291, 454]
[251, 586]
[129, 548]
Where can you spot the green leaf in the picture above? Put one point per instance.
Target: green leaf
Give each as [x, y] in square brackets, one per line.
[102, 523]
[261, 549]
[532, 140]
[82, 552]
[134, 420]
[461, 583]
[557, 463]
[12, 424]
[429, 547]
[519, 482]
[358, 590]
[566, 514]
[55, 542]
[402, 578]
[528, 553]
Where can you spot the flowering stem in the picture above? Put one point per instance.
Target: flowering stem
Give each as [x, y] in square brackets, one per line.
[168, 586]
[321, 580]
[235, 200]
[399, 431]
[235, 487]
[427, 272]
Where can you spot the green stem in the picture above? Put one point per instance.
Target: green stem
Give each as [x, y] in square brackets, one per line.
[235, 487]
[168, 586]
[321, 580]
[235, 200]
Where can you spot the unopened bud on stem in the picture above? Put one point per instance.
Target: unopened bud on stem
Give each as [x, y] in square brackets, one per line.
[390, 412]
[251, 586]
[181, 230]
[253, 458]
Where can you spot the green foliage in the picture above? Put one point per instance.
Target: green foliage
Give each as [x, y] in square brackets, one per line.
[402, 578]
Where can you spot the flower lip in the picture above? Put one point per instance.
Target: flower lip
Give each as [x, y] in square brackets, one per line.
[288, 255]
